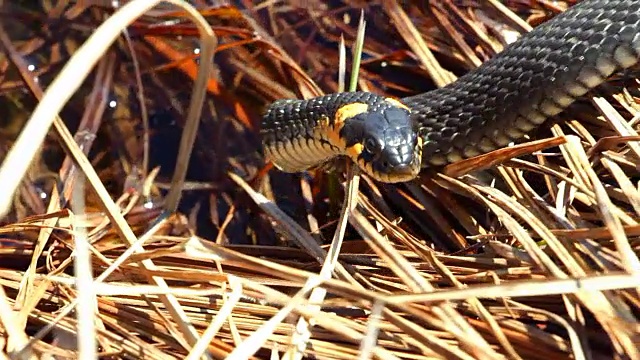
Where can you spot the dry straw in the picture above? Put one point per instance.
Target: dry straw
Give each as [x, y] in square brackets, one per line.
[529, 252]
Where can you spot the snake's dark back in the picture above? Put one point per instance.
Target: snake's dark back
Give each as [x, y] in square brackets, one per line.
[531, 80]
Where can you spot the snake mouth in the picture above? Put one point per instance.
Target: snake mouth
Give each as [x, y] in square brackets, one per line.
[398, 172]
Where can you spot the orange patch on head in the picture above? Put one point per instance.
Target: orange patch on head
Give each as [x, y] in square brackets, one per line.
[354, 151]
[350, 110]
[396, 103]
[344, 112]
[333, 135]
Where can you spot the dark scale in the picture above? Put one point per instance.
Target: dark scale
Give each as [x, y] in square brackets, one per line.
[531, 78]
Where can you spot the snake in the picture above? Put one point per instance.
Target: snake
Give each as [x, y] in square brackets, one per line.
[501, 101]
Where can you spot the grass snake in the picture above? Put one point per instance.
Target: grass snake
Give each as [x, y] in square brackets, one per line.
[509, 95]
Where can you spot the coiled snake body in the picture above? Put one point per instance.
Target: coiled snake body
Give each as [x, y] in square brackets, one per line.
[534, 78]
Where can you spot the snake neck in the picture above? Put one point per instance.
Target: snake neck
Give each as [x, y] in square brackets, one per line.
[302, 134]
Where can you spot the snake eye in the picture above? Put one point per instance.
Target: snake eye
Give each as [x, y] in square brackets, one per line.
[371, 145]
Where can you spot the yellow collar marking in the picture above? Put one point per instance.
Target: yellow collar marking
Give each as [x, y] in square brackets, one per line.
[397, 103]
[345, 112]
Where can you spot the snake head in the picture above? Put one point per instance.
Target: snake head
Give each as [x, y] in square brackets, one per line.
[383, 140]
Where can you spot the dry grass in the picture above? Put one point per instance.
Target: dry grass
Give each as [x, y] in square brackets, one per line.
[533, 258]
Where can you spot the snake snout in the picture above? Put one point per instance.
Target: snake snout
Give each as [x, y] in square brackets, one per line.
[399, 159]
[390, 149]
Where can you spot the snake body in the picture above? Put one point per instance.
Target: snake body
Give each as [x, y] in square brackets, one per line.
[532, 79]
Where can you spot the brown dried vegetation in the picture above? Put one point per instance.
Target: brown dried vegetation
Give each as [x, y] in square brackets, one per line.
[534, 257]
